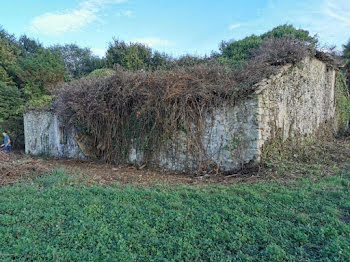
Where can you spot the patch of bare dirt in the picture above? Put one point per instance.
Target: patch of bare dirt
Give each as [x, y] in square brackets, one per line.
[19, 168]
[326, 158]
[16, 168]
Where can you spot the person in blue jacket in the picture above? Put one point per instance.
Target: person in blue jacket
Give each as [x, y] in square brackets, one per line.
[6, 146]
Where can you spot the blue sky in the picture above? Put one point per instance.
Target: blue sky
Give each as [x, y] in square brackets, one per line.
[176, 27]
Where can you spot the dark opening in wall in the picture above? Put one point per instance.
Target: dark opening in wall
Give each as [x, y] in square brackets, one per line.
[63, 136]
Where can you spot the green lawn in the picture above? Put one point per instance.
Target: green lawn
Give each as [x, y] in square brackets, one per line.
[54, 219]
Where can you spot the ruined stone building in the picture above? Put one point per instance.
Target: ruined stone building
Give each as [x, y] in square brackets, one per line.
[297, 101]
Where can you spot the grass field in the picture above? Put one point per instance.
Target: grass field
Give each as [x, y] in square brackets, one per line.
[56, 219]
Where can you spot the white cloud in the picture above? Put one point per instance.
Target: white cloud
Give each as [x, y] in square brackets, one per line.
[71, 20]
[101, 52]
[331, 21]
[234, 26]
[127, 13]
[338, 10]
[154, 42]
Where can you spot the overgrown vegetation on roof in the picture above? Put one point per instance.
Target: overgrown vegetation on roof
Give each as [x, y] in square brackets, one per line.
[150, 109]
[101, 72]
[237, 52]
[34, 70]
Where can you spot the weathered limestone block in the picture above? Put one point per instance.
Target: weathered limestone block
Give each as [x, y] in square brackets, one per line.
[44, 135]
[299, 102]
[229, 140]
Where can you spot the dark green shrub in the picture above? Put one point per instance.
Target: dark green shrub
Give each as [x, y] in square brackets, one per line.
[236, 52]
[131, 56]
[102, 72]
[11, 113]
[78, 62]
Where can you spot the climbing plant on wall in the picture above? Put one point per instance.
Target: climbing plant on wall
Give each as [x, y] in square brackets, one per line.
[343, 102]
[150, 109]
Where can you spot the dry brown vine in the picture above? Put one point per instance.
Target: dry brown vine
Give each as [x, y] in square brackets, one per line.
[150, 109]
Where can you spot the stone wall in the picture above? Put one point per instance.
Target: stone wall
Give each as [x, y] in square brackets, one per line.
[229, 140]
[297, 101]
[44, 135]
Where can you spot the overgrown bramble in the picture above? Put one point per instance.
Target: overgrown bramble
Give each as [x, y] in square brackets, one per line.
[143, 108]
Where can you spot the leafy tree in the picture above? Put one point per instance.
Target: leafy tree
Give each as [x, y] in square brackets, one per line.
[28, 71]
[10, 41]
[26, 61]
[77, 61]
[34, 73]
[239, 51]
[291, 32]
[346, 50]
[236, 52]
[9, 52]
[42, 69]
[29, 46]
[4, 77]
[11, 117]
[159, 60]
[132, 56]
